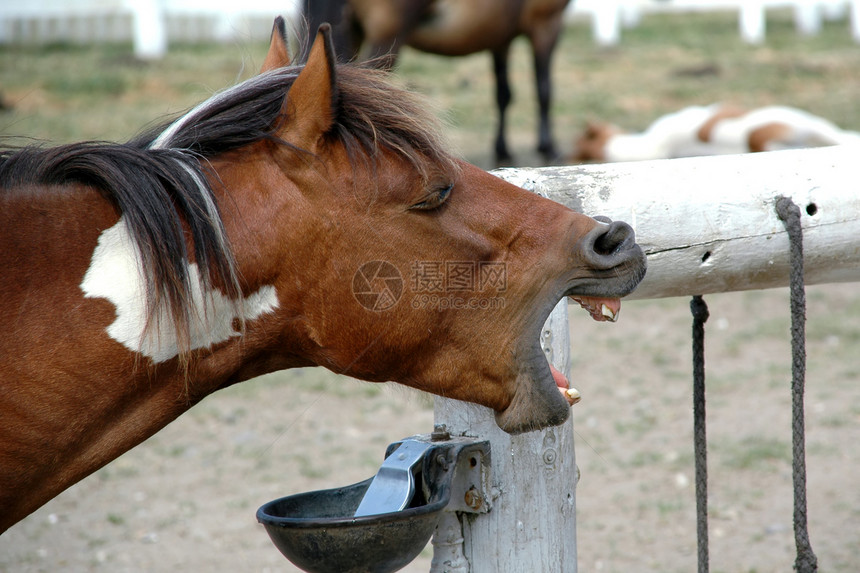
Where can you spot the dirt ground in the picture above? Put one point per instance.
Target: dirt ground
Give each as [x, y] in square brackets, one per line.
[186, 499]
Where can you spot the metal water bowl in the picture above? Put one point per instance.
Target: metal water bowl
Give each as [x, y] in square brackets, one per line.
[381, 524]
[319, 533]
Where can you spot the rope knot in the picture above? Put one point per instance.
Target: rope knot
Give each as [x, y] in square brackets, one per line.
[699, 309]
[787, 210]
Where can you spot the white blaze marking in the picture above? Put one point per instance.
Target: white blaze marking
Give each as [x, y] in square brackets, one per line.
[115, 273]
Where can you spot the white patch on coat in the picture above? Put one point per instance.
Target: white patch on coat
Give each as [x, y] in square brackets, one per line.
[115, 273]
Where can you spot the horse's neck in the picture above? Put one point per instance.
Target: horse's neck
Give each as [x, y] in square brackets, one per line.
[86, 383]
[74, 425]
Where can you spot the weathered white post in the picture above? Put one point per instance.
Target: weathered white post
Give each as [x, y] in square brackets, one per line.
[531, 526]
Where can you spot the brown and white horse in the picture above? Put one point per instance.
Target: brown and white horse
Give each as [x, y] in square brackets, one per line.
[453, 28]
[275, 225]
[715, 129]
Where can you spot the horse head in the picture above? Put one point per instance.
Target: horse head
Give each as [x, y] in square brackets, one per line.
[394, 261]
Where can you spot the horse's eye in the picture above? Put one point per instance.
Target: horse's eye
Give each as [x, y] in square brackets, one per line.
[435, 200]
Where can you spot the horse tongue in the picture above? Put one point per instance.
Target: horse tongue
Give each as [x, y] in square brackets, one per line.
[601, 309]
[559, 378]
[570, 394]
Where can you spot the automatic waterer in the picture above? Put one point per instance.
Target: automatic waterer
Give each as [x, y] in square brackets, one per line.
[381, 524]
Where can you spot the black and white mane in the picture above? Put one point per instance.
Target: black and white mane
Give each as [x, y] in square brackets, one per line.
[160, 182]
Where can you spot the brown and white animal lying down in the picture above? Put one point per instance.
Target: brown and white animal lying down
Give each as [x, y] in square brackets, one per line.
[711, 130]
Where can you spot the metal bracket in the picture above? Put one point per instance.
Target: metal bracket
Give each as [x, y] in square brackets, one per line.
[393, 487]
[470, 482]
[459, 463]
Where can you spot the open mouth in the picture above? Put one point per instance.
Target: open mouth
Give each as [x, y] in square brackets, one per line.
[543, 395]
[601, 310]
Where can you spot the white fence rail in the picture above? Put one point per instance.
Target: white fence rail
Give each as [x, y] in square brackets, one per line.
[609, 17]
[708, 224]
[149, 24]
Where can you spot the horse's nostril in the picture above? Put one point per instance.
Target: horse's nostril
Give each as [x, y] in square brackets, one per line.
[613, 238]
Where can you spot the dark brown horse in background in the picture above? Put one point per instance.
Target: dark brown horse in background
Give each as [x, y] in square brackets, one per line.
[453, 28]
[138, 278]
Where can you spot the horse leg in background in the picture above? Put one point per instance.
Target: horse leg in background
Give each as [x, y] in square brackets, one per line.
[543, 43]
[503, 98]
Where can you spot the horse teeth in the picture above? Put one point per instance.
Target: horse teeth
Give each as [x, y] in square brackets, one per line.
[608, 313]
[573, 395]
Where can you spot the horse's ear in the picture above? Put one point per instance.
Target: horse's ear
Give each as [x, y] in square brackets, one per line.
[279, 54]
[309, 109]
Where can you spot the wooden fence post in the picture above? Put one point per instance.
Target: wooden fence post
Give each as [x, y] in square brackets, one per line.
[807, 18]
[752, 21]
[532, 524]
[149, 29]
[606, 23]
[854, 16]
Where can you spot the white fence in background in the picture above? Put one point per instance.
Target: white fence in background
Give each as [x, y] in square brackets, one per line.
[608, 17]
[152, 24]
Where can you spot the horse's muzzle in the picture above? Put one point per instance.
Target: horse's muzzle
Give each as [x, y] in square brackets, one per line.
[610, 250]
